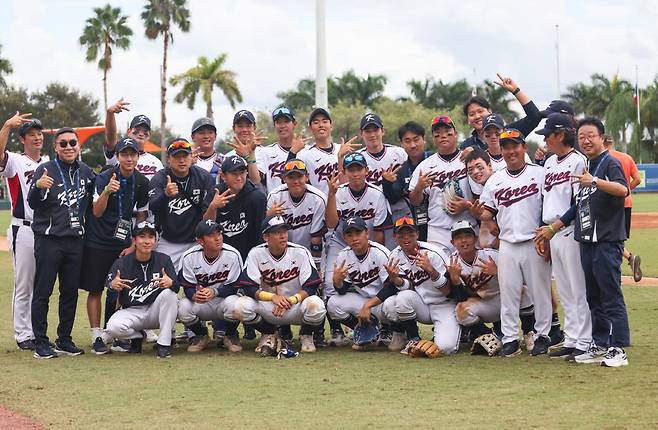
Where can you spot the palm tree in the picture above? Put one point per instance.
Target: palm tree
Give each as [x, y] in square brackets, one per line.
[159, 18]
[204, 77]
[354, 89]
[5, 69]
[499, 99]
[103, 31]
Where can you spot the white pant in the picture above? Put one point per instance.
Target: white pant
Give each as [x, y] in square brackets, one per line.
[478, 309]
[310, 311]
[341, 306]
[175, 251]
[409, 306]
[519, 262]
[570, 281]
[129, 322]
[218, 308]
[21, 247]
[331, 253]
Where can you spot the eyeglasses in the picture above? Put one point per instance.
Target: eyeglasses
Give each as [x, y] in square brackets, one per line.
[281, 111]
[65, 143]
[405, 221]
[354, 157]
[590, 137]
[180, 144]
[511, 133]
[442, 119]
[294, 164]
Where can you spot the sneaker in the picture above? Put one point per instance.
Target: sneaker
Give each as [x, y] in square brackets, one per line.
[27, 345]
[409, 345]
[337, 338]
[198, 343]
[135, 346]
[541, 346]
[99, 347]
[151, 336]
[510, 349]
[307, 343]
[43, 351]
[594, 355]
[398, 341]
[529, 340]
[557, 336]
[634, 261]
[120, 346]
[232, 343]
[67, 348]
[384, 337]
[162, 351]
[561, 352]
[319, 340]
[249, 333]
[615, 357]
[572, 357]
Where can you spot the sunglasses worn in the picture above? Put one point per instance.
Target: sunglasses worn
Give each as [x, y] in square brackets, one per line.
[180, 144]
[405, 221]
[294, 164]
[511, 134]
[442, 119]
[65, 143]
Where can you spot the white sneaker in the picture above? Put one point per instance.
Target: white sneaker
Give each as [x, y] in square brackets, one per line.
[151, 337]
[307, 343]
[529, 340]
[615, 357]
[594, 355]
[398, 341]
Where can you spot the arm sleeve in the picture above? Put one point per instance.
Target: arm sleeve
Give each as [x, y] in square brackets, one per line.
[208, 198]
[9, 169]
[569, 215]
[487, 197]
[387, 291]
[615, 173]
[393, 191]
[531, 120]
[250, 276]
[117, 265]
[100, 184]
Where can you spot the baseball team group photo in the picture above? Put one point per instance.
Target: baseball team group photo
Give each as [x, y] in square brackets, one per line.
[362, 250]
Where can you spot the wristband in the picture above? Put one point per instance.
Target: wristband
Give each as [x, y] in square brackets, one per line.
[316, 247]
[551, 229]
[295, 299]
[107, 190]
[264, 296]
[516, 91]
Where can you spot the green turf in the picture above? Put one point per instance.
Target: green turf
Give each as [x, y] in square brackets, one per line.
[5, 218]
[337, 388]
[643, 242]
[645, 202]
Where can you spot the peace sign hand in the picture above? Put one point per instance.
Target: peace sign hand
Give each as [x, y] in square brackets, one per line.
[347, 147]
[220, 200]
[391, 174]
[393, 269]
[585, 179]
[299, 142]
[454, 270]
[488, 266]
[18, 119]
[277, 209]
[118, 107]
[422, 260]
[340, 273]
[334, 182]
[506, 83]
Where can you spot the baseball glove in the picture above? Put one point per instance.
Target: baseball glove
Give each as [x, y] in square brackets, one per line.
[486, 344]
[270, 346]
[365, 333]
[425, 348]
[450, 191]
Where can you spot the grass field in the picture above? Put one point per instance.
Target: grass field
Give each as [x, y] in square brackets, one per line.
[643, 242]
[336, 388]
[645, 202]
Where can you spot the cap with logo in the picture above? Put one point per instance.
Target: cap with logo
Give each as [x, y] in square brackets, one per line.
[354, 223]
[206, 227]
[557, 106]
[178, 145]
[493, 120]
[244, 115]
[371, 119]
[126, 143]
[354, 158]
[203, 122]
[140, 120]
[234, 163]
[442, 121]
[461, 226]
[556, 122]
[29, 125]
[283, 111]
[273, 223]
[316, 112]
[294, 166]
[511, 135]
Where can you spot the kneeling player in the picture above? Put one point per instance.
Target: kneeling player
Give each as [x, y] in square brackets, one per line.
[280, 282]
[145, 280]
[207, 272]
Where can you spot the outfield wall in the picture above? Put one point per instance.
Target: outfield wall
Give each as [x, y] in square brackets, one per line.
[649, 175]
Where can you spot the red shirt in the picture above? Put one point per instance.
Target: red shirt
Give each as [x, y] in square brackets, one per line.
[630, 168]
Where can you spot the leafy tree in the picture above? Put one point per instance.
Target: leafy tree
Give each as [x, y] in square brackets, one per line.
[5, 69]
[439, 95]
[204, 78]
[102, 32]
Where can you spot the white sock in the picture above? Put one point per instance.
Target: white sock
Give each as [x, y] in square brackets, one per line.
[95, 332]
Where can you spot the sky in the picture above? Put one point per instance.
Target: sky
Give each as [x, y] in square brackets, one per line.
[271, 46]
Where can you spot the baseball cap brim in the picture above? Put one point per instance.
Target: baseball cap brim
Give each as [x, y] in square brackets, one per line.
[513, 140]
[359, 162]
[274, 228]
[545, 131]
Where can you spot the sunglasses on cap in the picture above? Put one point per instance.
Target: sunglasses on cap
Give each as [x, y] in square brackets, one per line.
[294, 164]
[355, 156]
[442, 119]
[180, 144]
[64, 143]
[511, 133]
[405, 221]
[281, 111]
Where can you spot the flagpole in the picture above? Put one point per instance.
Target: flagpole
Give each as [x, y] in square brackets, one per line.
[557, 57]
[321, 95]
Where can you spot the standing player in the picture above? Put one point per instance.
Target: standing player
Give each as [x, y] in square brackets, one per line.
[513, 195]
[147, 286]
[246, 142]
[204, 135]
[19, 170]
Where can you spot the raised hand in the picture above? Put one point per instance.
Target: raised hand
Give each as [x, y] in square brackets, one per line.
[585, 179]
[333, 182]
[454, 270]
[165, 280]
[422, 260]
[243, 149]
[171, 189]
[391, 174]
[393, 269]
[340, 273]
[299, 142]
[118, 283]
[220, 200]
[506, 83]
[118, 107]
[277, 209]
[347, 147]
[45, 181]
[114, 185]
[18, 119]
[488, 266]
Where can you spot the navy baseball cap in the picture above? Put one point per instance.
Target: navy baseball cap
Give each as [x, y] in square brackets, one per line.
[273, 223]
[244, 115]
[371, 118]
[126, 143]
[205, 227]
[294, 166]
[354, 223]
[140, 120]
[461, 226]
[555, 122]
[354, 158]
[233, 163]
[29, 125]
[283, 111]
[511, 135]
[203, 122]
[557, 106]
[316, 112]
[144, 226]
[493, 120]
[404, 222]
[178, 144]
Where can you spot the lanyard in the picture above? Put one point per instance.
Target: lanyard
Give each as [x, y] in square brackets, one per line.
[121, 193]
[76, 179]
[599, 165]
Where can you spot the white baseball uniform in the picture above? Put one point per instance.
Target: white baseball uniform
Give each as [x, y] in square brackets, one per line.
[321, 164]
[516, 200]
[147, 164]
[270, 161]
[211, 164]
[18, 170]
[484, 301]
[559, 194]
[497, 163]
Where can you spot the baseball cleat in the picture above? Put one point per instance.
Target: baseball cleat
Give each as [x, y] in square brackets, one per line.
[249, 333]
[572, 357]
[561, 352]
[307, 343]
[67, 348]
[634, 261]
[557, 336]
[510, 349]
[198, 343]
[267, 345]
[218, 335]
[337, 338]
[44, 351]
[319, 339]
[594, 355]
[27, 345]
[541, 346]
[120, 345]
[135, 346]
[99, 347]
[232, 343]
[384, 337]
[614, 357]
[398, 341]
[162, 351]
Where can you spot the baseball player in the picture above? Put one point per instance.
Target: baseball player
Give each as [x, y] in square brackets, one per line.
[359, 274]
[555, 106]
[147, 285]
[204, 135]
[176, 199]
[119, 192]
[208, 271]
[19, 170]
[514, 196]
[246, 142]
[559, 193]
[280, 283]
[430, 178]
[492, 125]
[140, 130]
[60, 195]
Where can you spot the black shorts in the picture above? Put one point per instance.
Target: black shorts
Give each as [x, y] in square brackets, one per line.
[627, 216]
[96, 264]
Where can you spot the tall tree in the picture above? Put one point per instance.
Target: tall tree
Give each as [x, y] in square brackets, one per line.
[160, 16]
[5, 69]
[204, 78]
[103, 31]
[439, 95]
[354, 89]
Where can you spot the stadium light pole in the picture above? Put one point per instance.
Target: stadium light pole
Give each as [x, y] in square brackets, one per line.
[321, 94]
[557, 57]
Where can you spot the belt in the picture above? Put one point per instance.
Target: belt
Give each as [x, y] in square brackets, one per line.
[18, 221]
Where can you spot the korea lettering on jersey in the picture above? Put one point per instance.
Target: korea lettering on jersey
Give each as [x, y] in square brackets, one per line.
[365, 276]
[497, 163]
[559, 191]
[393, 156]
[321, 165]
[147, 164]
[516, 200]
[223, 270]
[419, 280]
[19, 171]
[270, 161]
[478, 283]
[305, 217]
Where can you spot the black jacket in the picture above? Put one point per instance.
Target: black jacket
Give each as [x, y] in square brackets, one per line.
[525, 125]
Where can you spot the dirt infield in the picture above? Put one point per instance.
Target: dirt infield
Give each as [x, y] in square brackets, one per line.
[644, 220]
[11, 420]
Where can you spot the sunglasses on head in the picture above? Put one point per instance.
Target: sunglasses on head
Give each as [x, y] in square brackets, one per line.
[64, 143]
[281, 111]
[294, 164]
[180, 144]
[442, 119]
[405, 221]
[355, 156]
[511, 133]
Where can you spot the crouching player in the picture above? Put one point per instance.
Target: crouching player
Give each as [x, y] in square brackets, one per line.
[280, 283]
[147, 286]
[207, 273]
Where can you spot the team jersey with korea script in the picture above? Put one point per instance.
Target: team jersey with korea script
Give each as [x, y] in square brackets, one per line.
[305, 216]
[371, 206]
[19, 170]
[497, 163]
[419, 280]
[559, 191]
[479, 284]
[211, 164]
[321, 164]
[391, 156]
[365, 275]
[516, 201]
[446, 168]
[270, 161]
[285, 275]
[197, 271]
[147, 164]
